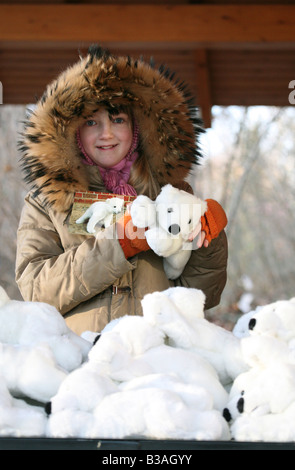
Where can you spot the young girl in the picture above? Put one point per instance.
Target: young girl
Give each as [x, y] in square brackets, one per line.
[108, 124]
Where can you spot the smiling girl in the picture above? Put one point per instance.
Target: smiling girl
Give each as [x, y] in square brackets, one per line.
[114, 125]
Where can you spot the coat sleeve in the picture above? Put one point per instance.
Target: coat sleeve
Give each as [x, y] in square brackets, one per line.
[207, 270]
[46, 272]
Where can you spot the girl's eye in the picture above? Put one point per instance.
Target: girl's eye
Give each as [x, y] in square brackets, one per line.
[90, 123]
[118, 120]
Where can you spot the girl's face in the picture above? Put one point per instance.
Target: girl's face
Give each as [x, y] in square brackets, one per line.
[107, 139]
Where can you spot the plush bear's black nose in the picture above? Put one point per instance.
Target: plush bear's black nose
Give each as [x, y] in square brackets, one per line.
[48, 408]
[252, 324]
[174, 229]
[96, 339]
[227, 415]
[240, 405]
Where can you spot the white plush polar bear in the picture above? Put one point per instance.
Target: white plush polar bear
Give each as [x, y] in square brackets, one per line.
[269, 385]
[171, 219]
[37, 323]
[101, 212]
[261, 398]
[148, 412]
[30, 371]
[186, 330]
[155, 405]
[265, 394]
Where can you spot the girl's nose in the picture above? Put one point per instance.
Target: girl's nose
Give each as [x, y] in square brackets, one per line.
[106, 129]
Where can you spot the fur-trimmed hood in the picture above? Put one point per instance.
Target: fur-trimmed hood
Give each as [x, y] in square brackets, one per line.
[162, 107]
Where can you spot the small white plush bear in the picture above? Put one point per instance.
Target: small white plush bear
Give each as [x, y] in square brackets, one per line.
[38, 323]
[30, 371]
[171, 219]
[101, 213]
[264, 394]
[262, 398]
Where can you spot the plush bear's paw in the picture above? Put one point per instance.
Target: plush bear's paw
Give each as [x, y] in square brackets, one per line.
[143, 212]
[174, 264]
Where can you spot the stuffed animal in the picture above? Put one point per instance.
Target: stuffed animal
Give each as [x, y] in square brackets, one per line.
[193, 332]
[101, 213]
[30, 371]
[37, 323]
[261, 400]
[267, 389]
[161, 408]
[171, 219]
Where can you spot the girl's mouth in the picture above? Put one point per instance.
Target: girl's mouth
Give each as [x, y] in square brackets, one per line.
[107, 147]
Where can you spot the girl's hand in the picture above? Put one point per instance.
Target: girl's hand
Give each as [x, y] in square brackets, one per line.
[198, 237]
[202, 241]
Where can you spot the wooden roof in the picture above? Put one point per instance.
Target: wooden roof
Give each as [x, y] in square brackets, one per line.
[229, 53]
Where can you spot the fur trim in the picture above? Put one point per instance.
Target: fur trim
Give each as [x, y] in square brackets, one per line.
[162, 108]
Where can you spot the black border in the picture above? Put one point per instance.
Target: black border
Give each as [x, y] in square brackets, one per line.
[126, 445]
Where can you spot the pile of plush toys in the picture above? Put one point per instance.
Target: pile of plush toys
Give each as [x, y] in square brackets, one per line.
[170, 374]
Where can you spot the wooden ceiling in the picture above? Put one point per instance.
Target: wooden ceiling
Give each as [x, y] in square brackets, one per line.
[229, 53]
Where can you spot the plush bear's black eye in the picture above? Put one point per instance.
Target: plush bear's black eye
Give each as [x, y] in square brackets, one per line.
[190, 221]
[170, 209]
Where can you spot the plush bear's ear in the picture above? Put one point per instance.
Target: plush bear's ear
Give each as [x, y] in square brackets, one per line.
[167, 192]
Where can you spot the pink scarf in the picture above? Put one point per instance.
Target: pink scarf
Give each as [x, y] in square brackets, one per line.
[115, 178]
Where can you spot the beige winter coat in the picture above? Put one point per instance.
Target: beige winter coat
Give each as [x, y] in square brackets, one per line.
[87, 278]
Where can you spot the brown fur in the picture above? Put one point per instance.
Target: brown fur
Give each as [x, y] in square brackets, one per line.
[168, 126]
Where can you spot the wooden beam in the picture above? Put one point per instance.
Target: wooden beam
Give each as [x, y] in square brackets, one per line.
[189, 25]
[204, 99]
